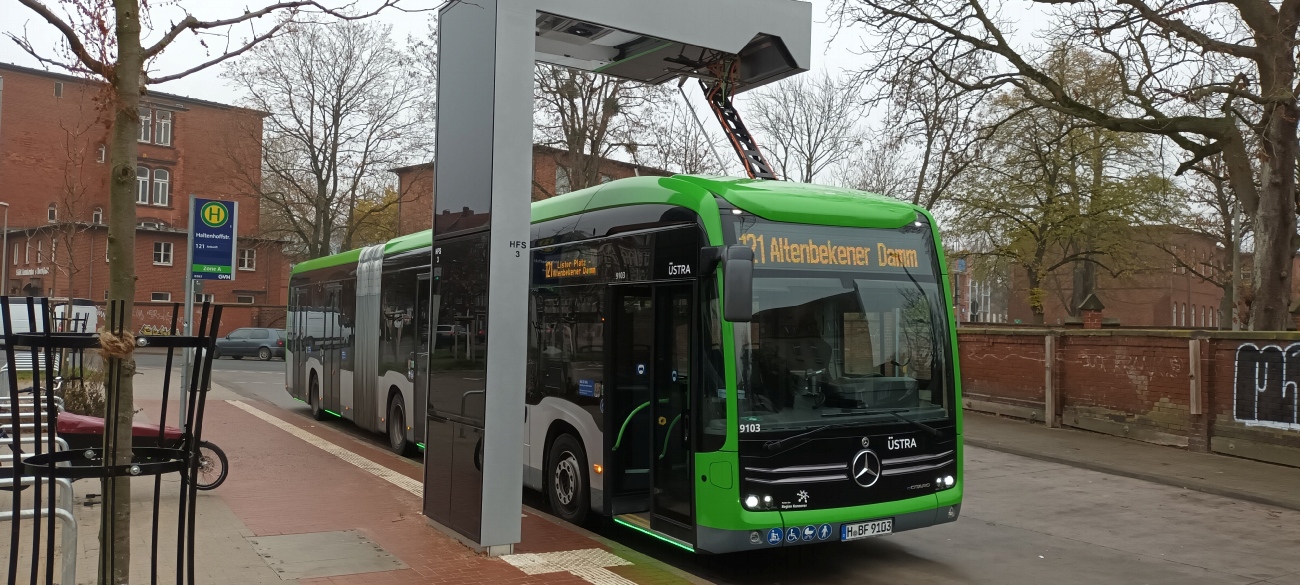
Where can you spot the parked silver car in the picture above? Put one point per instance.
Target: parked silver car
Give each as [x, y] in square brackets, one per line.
[262, 342]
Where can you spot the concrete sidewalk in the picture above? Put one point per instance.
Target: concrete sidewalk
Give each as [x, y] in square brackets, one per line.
[295, 483]
[1244, 479]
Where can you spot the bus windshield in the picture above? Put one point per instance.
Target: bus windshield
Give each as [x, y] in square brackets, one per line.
[849, 326]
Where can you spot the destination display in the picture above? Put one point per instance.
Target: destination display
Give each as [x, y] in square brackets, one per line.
[780, 245]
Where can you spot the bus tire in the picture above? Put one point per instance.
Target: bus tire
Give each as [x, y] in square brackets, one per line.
[397, 426]
[313, 399]
[566, 480]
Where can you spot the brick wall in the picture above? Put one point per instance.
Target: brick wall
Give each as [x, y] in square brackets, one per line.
[156, 318]
[1178, 388]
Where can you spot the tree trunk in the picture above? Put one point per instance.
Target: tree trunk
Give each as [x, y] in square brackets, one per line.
[1036, 295]
[126, 83]
[1275, 224]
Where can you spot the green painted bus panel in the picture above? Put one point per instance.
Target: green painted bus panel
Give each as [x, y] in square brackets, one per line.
[950, 305]
[349, 257]
[409, 242]
[810, 204]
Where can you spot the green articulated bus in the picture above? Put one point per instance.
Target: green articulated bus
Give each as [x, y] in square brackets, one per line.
[725, 364]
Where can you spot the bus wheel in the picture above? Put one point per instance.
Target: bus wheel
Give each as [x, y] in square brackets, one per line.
[313, 399]
[567, 488]
[397, 426]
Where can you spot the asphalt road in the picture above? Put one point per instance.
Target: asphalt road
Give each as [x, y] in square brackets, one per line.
[1023, 522]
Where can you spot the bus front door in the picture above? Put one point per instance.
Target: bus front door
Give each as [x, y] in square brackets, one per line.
[648, 471]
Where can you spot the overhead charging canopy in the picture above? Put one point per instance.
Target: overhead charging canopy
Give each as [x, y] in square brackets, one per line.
[625, 54]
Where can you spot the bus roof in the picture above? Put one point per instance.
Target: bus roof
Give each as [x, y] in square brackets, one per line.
[771, 200]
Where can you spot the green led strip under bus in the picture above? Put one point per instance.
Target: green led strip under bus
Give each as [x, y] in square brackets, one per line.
[673, 542]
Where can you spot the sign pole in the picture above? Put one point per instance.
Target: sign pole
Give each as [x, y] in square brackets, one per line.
[189, 308]
[211, 247]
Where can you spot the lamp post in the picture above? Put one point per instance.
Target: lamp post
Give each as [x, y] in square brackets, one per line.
[4, 254]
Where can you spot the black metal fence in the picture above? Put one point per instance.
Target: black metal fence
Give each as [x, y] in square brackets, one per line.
[41, 469]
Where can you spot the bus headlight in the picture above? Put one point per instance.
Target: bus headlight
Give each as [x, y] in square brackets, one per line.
[948, 481]
[751, 502]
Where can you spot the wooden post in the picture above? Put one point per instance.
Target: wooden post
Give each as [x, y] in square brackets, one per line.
[1194, 402]
[1049, 390]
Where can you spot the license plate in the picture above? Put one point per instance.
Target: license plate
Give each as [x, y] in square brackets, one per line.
[868, 529]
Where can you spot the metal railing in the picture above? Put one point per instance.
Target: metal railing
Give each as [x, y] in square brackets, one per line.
[63, 512]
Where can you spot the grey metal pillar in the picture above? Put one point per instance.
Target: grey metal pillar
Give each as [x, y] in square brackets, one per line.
[482, 204]
[484, 166]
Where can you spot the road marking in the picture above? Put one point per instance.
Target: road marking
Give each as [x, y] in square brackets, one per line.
[589, 564]
[410, 485]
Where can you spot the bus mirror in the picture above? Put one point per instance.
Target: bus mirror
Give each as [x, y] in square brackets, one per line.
[738, 283]
[710, 257]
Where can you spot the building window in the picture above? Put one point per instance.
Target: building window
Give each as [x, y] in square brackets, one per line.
[146, 124]
[244, 299]
[204, 298]
[52, 213]
[163, 132]
[142, 186]
[106, 294]
[101, 153]
[160, 297]
[27, 252]
[1173, 320]
[162, 253]
[97, 216]
[562, 180]
[58, 89]
[247, 259]
[40, 251]
[162, 187]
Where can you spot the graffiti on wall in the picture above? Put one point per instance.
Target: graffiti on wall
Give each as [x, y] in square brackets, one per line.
[1266, 384]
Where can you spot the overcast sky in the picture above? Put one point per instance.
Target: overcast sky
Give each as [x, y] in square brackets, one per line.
[20, 21]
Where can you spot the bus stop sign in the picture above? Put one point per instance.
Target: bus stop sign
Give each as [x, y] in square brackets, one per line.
[213, 239]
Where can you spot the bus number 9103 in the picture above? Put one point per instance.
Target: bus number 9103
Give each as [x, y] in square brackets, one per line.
[750, 427]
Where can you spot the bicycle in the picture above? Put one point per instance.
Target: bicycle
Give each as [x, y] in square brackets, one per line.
[82, 431]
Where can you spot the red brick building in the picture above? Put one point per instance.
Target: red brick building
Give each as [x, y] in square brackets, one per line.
[54, 174]
[550, 178]
[1164, 293]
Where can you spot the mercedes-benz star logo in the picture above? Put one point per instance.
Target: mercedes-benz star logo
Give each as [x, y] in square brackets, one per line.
[866, 442]
[865, 468]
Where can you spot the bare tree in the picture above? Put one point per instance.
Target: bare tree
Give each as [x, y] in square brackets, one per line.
[102, 40]
[1210, 76]
[344, 109]
[881, 166]
[591, 116]
[936, 122]
[808, 125]
[73, 211]
[678, 142]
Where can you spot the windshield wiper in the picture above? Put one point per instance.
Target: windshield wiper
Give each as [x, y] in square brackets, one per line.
[918, 424]
[775, 445]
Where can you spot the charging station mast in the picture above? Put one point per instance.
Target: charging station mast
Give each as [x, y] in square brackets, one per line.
[487, 50]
